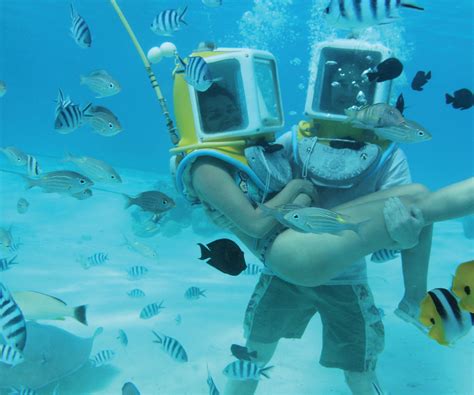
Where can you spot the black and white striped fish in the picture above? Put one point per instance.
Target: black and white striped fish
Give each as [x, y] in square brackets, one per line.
[194, 293]
[5, 263]
[197, 73]
[447, 322]
[252, 269]
[80, 32]
[172, 347]
[137, 272]
[168, 21]
[136, 293]
[245, 370]
[212, 386]
[22, 391]
[351, 14]
[150, 310]
[384, 255]
[10, 355]
[12, 321]
[99, 258]
[102, 358]
[32, 166]
[122, 337]
[69, 116]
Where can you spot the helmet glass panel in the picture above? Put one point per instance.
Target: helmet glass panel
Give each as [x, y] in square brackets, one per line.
[343, 82]
[268, 92]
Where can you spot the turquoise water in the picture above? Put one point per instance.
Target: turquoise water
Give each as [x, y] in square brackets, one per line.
[38, 57]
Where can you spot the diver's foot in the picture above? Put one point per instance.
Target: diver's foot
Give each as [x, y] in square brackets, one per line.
[410, 312]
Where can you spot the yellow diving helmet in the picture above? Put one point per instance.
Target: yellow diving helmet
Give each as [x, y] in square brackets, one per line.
[241, 107]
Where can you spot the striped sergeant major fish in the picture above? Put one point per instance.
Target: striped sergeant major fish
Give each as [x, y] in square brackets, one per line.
[151, 310]
[384, 255]
[80, 31]
[5, 263]
[122, 337]
[32, 166]
[252, 269]
[447, 322]
[137, 272]
[194, 293]
[12, 321]
[245, 370]
[210, 382]
[23, 391]
[10, 355]
[172, 347]
[168, 21]
[197, 73]
[99, 258]
[69, 116]
[353, 14]
[102, 358]
[136, 293]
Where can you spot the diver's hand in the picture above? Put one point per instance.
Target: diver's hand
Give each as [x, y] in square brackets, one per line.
[306, 187]
[403, 225]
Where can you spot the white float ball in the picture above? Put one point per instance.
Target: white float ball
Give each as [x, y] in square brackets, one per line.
[154, 55]
[168, 49]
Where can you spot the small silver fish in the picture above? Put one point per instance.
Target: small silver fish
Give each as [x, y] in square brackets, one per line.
[3, 88]
[103, 121]
[152, 201]
[319, 220]
[141, 248]
[83, 195]
[97, 170]
[331, 63]
[375, 116]
[335, 84]
[15, 156]
[5, 263]
[407, 132]
[63, 182]
[102, 83]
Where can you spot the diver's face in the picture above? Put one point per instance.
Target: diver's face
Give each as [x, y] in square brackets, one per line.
[345, 85]
[219, 114]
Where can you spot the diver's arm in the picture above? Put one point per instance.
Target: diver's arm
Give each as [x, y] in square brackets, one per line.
[215, 186]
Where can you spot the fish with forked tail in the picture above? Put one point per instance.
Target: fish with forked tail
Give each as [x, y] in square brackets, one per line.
[225, 255]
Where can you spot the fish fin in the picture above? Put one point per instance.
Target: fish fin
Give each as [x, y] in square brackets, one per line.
[449, 98]
[181, 15]
[263, 371]
[412, 5]
[129, 201]
[98, 331]
[372, 76]
[68, 157]
[358, 225]
[182, 64]
[73, 11]
[30, 182]
[202, 293]
[80, 314]
[205, 252]
[159, 338]
[85, 110]
[253, 354]
[428, 75]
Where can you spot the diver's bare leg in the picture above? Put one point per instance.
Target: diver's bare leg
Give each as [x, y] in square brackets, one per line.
[313, 259]
[265, 352]
[362, 383]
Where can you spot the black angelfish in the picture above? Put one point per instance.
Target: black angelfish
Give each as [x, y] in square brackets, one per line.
[400, 105]
[420, 79]
[225, 255]
[242, 353]
[387, 70]
[462, 99]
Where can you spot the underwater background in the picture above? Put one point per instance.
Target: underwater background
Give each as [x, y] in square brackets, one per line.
[38, 57]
